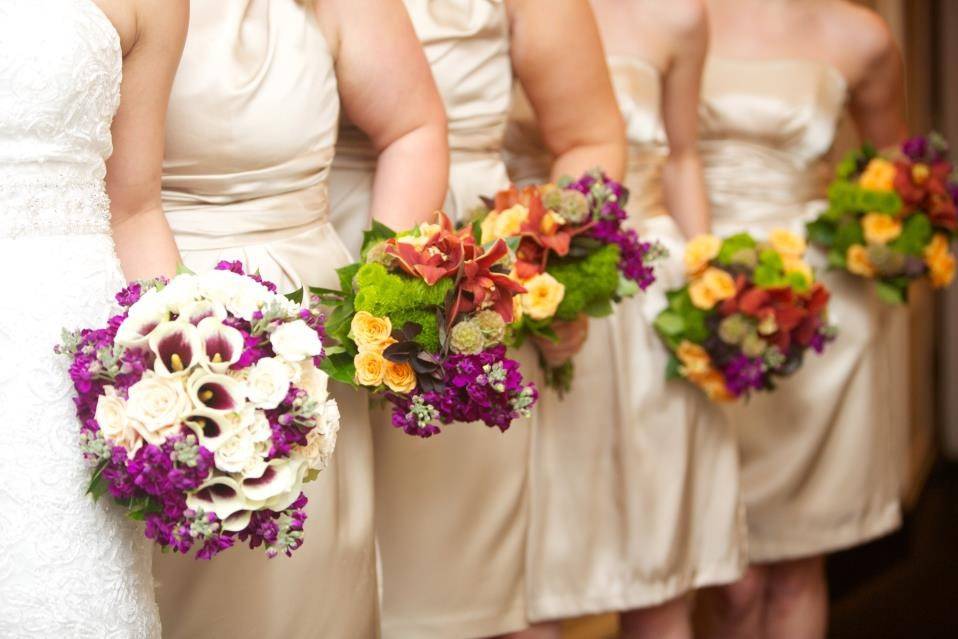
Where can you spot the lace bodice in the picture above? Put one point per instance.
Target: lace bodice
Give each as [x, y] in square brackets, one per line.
[60, 83]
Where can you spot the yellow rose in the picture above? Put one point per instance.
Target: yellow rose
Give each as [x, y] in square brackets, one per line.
[368, 330]
[798, 265]
[787, 243]
[880, 228]
[400, 378]
[711, 288]
[503, 224]
[858, 262]
[879, 175]
[370, 368]
[695, 360]
[543, 295]
[699, 252]
[940, 261]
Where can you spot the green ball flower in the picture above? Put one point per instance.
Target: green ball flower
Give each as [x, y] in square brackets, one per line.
[492, 326]
[466, 338]
[753, 345]
[734, 329]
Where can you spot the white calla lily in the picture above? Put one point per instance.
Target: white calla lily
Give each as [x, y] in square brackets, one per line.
[279, 478]
[237, 521]
[149, 312]
[222, 496]
[222, 345]
[197, 311]
[211, 427]
[182, 291]
[215, 392]
[177, 348]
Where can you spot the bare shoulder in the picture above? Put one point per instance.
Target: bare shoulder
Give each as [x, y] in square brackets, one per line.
[682, 17]
[160, 20]
[861, 32]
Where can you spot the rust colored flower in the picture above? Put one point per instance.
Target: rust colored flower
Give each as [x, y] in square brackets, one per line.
[924, 187]
[441, 256]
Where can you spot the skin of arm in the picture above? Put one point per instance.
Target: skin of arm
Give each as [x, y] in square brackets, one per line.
[388, 91]
[144, 242]
[558, 57]
[877, 100]
[682, 178]
[559, 60]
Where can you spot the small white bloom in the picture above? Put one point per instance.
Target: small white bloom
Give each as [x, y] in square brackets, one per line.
[157, 405]
[295, 341]
[235, 453]
[259, 428]
[267, 383]
[196, 312]
[314, 381]
[182, 291]
[218, 286]
[257, 464]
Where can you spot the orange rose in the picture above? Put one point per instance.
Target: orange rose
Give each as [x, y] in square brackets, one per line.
[940, 261]
[711, 288]
[880, 228]
[400, 378]
[879, 175]
[858, 262]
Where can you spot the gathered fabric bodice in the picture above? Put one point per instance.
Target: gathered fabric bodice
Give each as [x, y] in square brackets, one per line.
[767, 127]
[60, 82]
[251, 127]
[467, 45]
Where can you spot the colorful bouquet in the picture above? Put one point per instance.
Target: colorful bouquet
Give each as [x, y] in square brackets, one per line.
[892, 217]
[203, 411]
[748, 314]
[574, 255]
[421, 322]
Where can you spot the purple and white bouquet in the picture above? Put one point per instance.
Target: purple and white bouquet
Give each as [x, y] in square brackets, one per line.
[203, 410]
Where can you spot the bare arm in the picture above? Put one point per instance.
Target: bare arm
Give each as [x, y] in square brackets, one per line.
[144, 242]
[559, 59]
[389, 93]
[877, 100]
[682, 178]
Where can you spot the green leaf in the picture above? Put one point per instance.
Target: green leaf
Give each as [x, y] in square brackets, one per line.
[836, 259]
[734, 244]
[599, 308]
[626, 288]
[891, 292]
[340, 367]
[821, 232]
[669, 323]
[98, 485]
[297, 295]
[183, 269]
[376, 233]
[915, 235]
[346, 275]
[672, 367]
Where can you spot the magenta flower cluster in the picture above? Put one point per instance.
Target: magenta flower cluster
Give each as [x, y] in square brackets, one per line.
[607, 199]
[484, 387]
[154, 481]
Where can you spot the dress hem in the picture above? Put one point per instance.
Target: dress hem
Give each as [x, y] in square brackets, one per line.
[467, 627]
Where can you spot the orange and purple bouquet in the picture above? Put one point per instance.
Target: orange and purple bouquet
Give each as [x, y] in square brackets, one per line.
[892, 217]
[574, 254]
[748, 314]
[421, 321]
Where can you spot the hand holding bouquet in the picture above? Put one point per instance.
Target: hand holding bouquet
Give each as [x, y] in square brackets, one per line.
[422, 323]
[892, 217]
[203, 411]
[748, 314]
[574, 256]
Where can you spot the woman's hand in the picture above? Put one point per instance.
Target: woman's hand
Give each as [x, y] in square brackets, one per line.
[572, 336]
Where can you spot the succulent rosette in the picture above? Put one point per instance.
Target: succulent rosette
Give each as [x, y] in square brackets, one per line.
[203, 410]
[421, 322]
[747, 315]
[574, 254]
[893, 216]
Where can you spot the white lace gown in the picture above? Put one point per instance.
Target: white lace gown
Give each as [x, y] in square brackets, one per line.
[68, 568]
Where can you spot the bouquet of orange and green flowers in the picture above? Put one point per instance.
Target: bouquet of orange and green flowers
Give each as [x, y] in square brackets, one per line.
[574, 255]
[421, 321]
[892, 217]
[750, 311]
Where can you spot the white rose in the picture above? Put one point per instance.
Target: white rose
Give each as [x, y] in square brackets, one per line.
[267, 383]
[314, 381]
[114, 422]
[235, 453]
[157, 404]
[247, 297]
[218, 286]
[257, 464]
[260, 428]
[295, 341]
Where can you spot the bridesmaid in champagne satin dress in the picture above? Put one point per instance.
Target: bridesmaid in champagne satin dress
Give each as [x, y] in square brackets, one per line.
[452, 511]
[252, 130]
[660, 515]
[820, 472]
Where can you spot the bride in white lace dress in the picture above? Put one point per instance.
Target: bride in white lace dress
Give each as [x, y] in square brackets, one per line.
[69, 568]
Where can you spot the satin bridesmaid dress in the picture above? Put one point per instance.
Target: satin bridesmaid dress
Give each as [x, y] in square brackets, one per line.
[819, 467]
[251, 134]
[635, 483]
[451, 511]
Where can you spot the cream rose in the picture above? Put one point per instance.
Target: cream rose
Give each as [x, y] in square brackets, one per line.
[235, 453]
[543, 295]
[267, 383]
[114, 422]
[157, 404]
[295, 341]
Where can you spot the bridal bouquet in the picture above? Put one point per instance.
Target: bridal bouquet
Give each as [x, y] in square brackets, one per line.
[892, 217]
[574, 255]
[421, 322]
[748, 314]
[203, 410]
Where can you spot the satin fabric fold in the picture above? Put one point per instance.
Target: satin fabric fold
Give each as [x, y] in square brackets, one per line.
[635, 490]
[819, 471]
[252, 126]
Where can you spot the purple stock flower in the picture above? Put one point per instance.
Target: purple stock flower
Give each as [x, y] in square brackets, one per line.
[744, 373]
